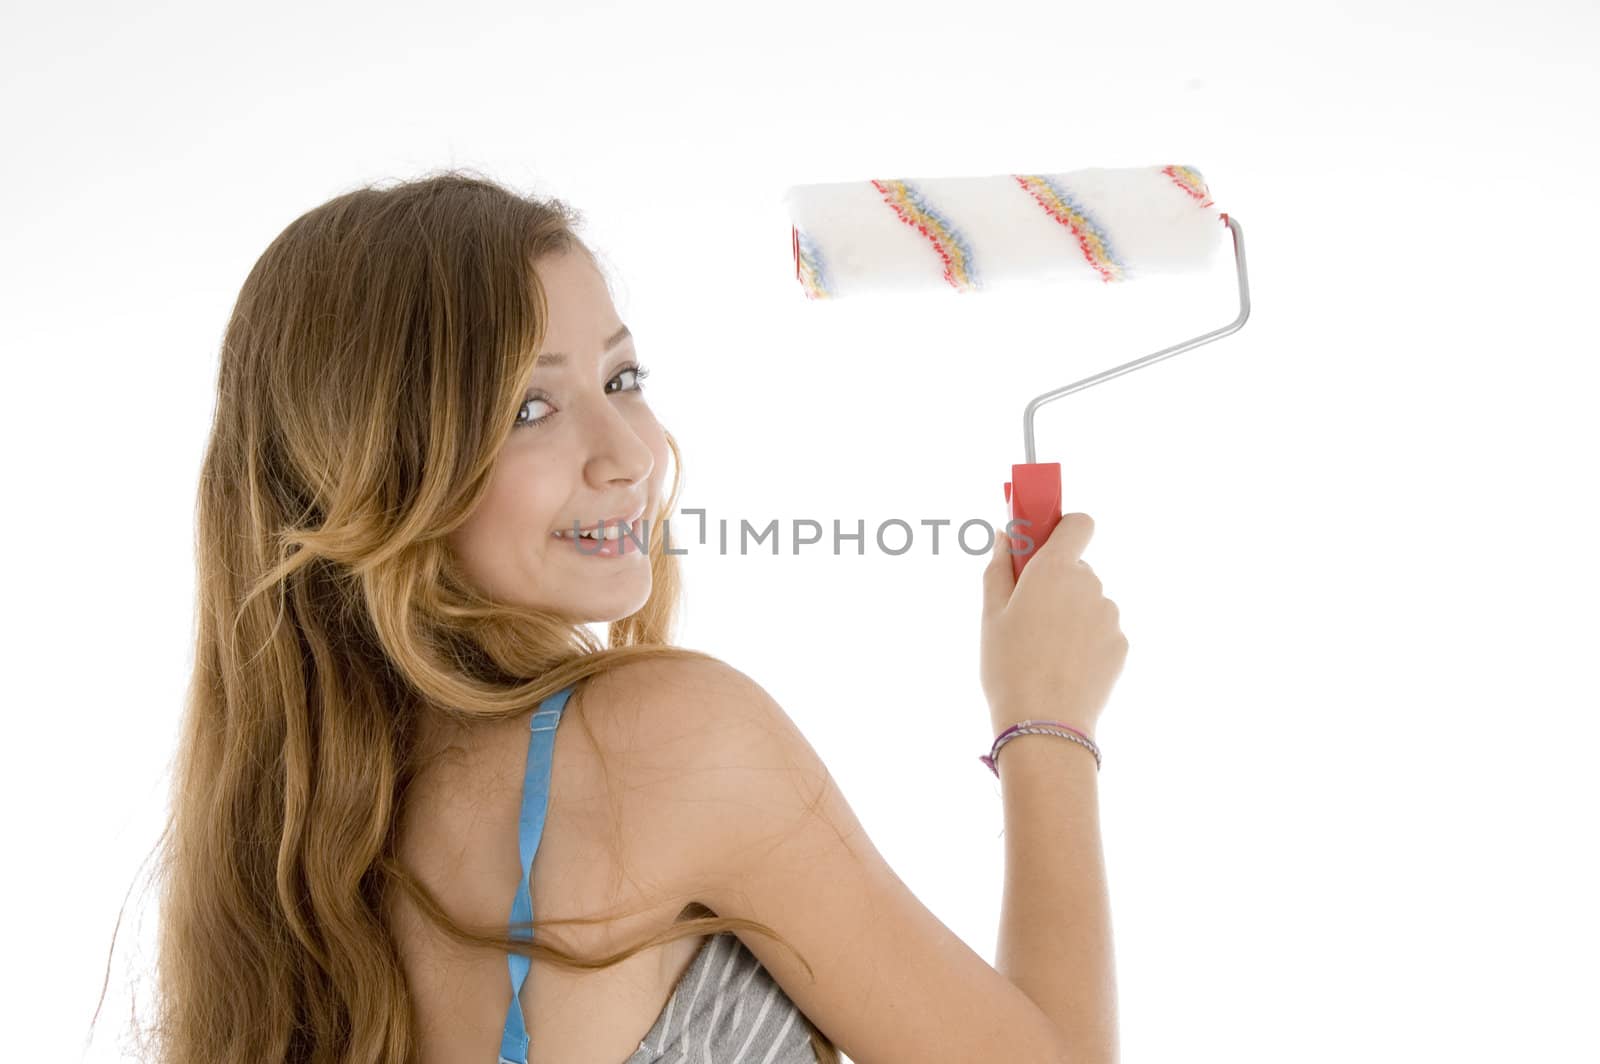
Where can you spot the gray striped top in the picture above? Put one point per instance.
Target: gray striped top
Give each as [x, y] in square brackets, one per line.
[727, 1009]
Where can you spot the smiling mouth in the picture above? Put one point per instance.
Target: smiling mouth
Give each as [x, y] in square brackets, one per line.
[610, 529]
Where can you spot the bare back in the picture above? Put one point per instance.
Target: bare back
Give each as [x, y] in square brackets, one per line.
[459, 835]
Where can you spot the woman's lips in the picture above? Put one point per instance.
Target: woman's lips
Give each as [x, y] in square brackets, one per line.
[614, 535]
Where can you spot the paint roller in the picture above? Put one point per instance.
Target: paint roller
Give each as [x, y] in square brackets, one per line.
[977, 234]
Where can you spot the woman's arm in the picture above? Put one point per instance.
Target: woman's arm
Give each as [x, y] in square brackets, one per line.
[1055, 915]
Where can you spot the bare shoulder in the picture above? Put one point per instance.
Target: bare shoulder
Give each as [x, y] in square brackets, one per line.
[704, 769]
[683, 741]
[635, 708]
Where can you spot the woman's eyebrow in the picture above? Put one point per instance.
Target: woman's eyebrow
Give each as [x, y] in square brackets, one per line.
[556, 358]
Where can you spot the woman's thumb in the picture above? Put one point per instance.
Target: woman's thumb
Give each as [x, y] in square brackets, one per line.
[998, 582]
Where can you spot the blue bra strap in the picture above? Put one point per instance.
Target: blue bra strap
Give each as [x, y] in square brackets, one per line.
[535, 797]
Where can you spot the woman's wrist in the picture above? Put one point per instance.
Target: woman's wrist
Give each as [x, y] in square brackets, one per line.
[1028, 727]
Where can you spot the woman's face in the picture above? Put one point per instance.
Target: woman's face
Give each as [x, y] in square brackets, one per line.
[586, 449]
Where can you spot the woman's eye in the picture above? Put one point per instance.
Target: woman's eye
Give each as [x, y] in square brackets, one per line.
[519, 423]
[639, 374]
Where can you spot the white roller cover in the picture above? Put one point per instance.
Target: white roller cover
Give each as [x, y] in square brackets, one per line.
[970, 234]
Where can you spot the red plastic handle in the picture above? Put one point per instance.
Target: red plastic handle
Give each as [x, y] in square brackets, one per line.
[1034, 492]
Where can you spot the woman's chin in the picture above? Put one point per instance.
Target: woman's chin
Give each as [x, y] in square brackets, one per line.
[615, 606]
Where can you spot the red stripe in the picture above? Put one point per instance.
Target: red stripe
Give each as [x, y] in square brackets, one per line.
[1172, 172]
[938, 245]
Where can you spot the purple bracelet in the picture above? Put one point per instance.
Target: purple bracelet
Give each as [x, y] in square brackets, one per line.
[1039, 727]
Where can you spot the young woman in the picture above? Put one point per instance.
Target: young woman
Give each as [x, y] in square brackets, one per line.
[422, 815]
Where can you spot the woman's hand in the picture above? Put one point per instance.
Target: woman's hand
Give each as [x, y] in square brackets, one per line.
[1051, 647]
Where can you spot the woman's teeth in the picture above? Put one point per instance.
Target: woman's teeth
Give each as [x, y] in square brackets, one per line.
[611, 532]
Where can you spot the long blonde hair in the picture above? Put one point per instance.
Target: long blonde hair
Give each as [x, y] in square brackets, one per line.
[370, 372]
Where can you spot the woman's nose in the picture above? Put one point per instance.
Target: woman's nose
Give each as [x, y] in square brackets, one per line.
[617, 450]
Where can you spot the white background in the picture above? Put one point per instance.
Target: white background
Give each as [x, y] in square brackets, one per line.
[1349, 789]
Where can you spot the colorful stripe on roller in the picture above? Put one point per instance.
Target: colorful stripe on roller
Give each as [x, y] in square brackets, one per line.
[972, 234]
